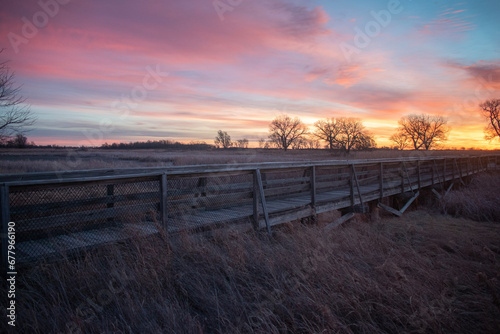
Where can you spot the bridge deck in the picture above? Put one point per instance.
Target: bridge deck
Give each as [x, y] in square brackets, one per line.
[50, 226]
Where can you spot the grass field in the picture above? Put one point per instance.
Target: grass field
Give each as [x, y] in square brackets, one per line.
[38, 160]
[434, 270]
[422, 273]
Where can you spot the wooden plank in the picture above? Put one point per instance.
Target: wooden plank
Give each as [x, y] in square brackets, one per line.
[146, 197]
[407, 205]
[313, 186]
[389, 209]
[357, 185]
[263, 201]
[448, 190]
[339, 221]
[436, 193]
[81, 217]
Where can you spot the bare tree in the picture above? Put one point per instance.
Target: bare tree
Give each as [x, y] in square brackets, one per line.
[284, 131]
[223, 139]
[18, 141]
[400, 139]
[491, 111]
[15, 115]
[423, 131]
[242, 143]
[328, 130]
[344, 133]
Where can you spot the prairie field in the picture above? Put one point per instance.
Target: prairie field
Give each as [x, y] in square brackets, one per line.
[39, 160]
[436, 269]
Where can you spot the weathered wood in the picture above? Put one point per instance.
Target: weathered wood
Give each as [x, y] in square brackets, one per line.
[448, 190]
[411, 200]
[419, 175]
[255, 202]
[147, 197]
[381, 181]
[313, 186]
[391, 210]
[263, 200]
[437, 193]
[339, 221]
[357, 185]
[81, 217]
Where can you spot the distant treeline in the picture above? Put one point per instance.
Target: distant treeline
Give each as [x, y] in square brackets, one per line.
[154, 144]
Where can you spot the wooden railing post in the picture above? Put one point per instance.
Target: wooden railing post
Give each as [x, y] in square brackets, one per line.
[381, 180]
[444, 171]
[4, 220]
[163, 203]
[351, 184]
[255, 200]
[401, 170]
[313, 186]
[263, 201]
[419, 177]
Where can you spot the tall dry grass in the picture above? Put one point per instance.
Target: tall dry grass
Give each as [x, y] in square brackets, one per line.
[479, 201]
[423, 273]
[41, 160]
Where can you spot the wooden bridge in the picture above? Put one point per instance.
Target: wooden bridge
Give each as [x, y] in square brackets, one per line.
[61, 212]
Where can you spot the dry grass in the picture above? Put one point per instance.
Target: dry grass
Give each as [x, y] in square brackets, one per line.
[479, 201]
[421, 273]
[39, 160]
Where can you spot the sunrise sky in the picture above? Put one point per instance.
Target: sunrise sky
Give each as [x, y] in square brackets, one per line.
[99, 71]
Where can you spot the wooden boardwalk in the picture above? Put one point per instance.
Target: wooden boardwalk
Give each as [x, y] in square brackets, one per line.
[63, 213]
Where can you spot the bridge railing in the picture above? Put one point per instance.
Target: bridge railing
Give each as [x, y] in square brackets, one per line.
[82, 208]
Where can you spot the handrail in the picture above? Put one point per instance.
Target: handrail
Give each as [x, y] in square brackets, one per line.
[56, 177]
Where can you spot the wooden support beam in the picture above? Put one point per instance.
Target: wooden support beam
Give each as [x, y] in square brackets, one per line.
[389, 209]
[263, 201]
[339, 221]
[407, 205]
[448, 190]
[436, 193]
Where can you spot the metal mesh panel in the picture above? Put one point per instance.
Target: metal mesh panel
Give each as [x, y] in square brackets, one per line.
[203, 201]
[53, 218]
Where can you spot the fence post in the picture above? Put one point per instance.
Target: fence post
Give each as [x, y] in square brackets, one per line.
[255, 200]
[401, 170]
[444, 171]
[381, 180]
[4, 220]
[313, 186]
[419, 176]
[263, 200]
[163, 203]
[351, 183]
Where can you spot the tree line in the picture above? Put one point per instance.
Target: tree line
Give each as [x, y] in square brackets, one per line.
[346, 134]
